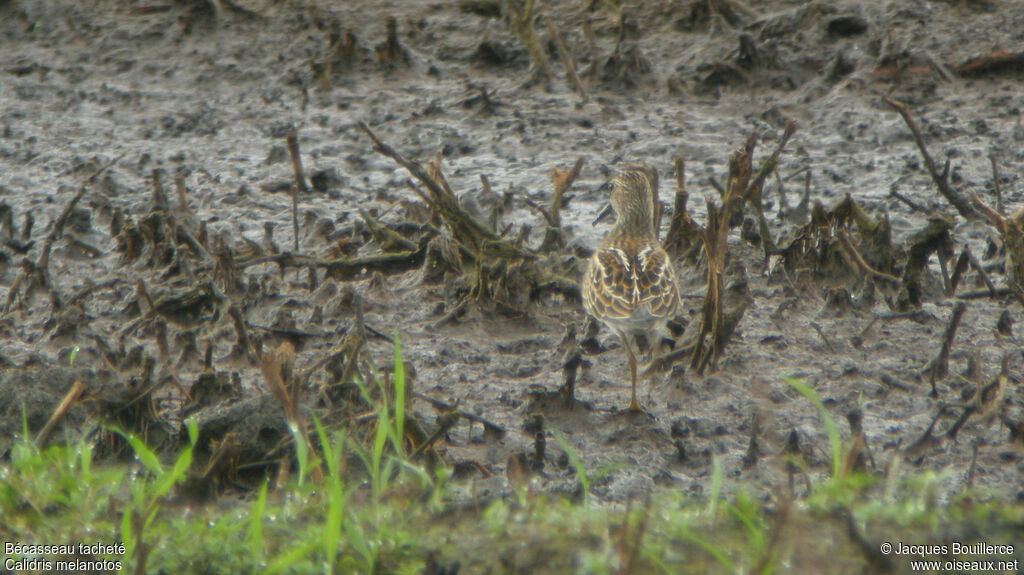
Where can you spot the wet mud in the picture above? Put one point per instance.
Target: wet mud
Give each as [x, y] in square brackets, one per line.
[154, 218]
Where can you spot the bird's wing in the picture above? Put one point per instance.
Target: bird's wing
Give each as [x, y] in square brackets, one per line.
[656, 282]
[609, 288]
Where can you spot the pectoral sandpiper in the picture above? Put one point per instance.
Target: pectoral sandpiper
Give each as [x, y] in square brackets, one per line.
[630, 284]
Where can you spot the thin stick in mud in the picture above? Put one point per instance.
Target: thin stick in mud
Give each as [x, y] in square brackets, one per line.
[300, 183]
[995, 183]
[981, 272]
[522, 25]
[62, 219]
[940, 366]
[160, 201]
[860, 263]
[468, 231]
[561, 181]
[910, 203]
[570, 67]
[58, 414]
[715, 247]
[941, 179]
[1011, 231]
[683, 232]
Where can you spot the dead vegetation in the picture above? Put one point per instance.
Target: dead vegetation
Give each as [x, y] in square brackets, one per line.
[498, 271]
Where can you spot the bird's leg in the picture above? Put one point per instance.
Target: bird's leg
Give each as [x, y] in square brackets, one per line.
[660, 357]
[634, 405]
[656, 347]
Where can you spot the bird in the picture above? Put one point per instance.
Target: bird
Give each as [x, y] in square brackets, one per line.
[629, 284]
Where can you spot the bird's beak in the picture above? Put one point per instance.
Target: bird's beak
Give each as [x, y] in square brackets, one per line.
[604, 213]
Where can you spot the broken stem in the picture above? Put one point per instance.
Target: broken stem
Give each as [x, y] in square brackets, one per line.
[58, 414]
[995, 183]
[912, 204]
[861, 264]
[981, 272]
[941, 179]
[574, 79]
[522, 24]
[300, 183]
[940, 366]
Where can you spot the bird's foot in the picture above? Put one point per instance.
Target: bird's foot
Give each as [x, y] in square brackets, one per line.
[636, 409]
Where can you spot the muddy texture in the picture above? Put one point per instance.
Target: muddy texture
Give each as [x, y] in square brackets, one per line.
[183, 91]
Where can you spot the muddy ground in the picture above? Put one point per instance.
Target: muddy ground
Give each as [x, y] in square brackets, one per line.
[210, 95]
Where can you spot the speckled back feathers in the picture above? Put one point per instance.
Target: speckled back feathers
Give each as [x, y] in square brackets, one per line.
[630, 283]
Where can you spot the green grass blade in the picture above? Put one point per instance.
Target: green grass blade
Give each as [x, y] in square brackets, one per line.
[379, 441]
[715, 552]
[830, 425]
[301, 450]
[24, 425]
[357, 539]
[288, 560]
[333, 521]
[716, 487]
[332, 451]
[577, 464]
[254, 534]
[399, 433]
[127, 537]
[144, 454]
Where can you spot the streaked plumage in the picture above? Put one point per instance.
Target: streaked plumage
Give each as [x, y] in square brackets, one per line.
[629, 284]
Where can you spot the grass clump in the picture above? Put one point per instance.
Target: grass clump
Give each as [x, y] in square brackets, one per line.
[395, 516]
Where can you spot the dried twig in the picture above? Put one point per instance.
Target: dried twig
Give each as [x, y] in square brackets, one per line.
[630, 541]
[941, 179]
[293, 150]
[571, 362]
[683, 232]
[911, 203]
[860, 263]
[522, 24]
[300, 183]
[58, 414]
[1011, 231]
[715, 247]
[182, 193]
[160, 201]
[928, 439]
[756, 184]
[58, 226]
[770, 549]
[244, 344]
[974, 462]
[981, 272]
[561, 181]
[823, 337]
[878, 562]
[959, 270]
[588, 32]
[939, 367]
[574, 79]
[277, 368]
[347, 268]
[391, 51]
[934, 237]
[996, 61]
[995, 183]
[982, 401]
[444, 407]
[469, 231]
